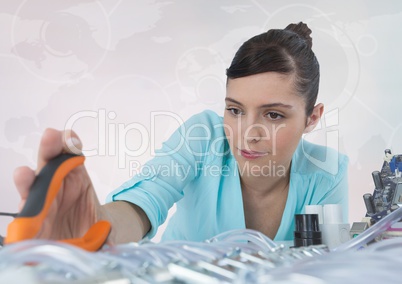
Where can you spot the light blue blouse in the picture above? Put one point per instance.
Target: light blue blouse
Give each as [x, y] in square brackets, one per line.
[196, 170]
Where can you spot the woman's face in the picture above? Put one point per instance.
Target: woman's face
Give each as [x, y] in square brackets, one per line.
[264, 121]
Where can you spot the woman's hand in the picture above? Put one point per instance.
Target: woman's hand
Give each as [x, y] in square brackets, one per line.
[76, 207]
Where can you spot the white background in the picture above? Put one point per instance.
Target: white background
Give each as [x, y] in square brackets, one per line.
[116, 61]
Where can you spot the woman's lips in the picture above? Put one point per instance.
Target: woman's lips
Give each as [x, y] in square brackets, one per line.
[252, 154]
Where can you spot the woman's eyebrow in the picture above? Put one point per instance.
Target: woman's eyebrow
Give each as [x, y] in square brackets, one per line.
[262, 106]
[233, 101]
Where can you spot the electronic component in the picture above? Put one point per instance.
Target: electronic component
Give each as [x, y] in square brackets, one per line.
[307, 231]
[358, 228]
[369, 202]
[333, 229]
[387, 195]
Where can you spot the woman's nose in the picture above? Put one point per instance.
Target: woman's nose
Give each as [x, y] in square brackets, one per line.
[255, 132]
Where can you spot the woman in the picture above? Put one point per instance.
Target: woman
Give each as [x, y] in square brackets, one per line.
[249, 170]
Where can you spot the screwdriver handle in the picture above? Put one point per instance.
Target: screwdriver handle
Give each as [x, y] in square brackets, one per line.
[28, 223]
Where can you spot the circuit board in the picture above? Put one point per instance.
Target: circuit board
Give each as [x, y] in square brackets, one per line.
[387, 195]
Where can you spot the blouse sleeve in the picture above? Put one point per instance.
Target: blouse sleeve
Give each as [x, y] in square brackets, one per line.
[162, 179]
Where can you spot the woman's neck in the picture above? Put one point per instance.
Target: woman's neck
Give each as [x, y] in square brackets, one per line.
[265, 185]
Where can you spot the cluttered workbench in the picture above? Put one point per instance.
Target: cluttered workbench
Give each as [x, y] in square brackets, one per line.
[321, 252]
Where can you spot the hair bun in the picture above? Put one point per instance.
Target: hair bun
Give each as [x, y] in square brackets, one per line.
[303, 31]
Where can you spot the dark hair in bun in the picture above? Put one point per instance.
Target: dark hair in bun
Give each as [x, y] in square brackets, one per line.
[303, 31]
[287, 51]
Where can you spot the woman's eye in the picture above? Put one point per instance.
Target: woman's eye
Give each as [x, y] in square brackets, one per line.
[234, 111]
[274, 115]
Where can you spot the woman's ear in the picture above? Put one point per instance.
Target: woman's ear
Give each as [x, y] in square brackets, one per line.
[314, 118]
